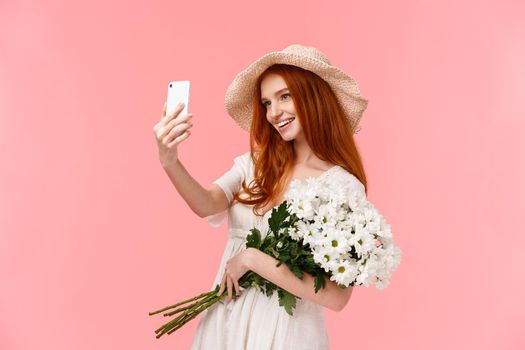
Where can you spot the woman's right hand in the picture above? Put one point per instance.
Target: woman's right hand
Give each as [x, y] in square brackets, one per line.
[169, 132]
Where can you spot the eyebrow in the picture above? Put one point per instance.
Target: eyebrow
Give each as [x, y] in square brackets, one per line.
[276, 93]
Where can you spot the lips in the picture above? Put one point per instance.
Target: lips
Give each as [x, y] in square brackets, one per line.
[286, 121]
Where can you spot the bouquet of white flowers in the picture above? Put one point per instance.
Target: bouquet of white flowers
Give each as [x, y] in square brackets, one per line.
[327, 227]
[346, 234]
[324, 228]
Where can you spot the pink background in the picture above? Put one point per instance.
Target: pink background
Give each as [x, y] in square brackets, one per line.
[93, 235]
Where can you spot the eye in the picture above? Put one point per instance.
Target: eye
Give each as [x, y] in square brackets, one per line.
[265, 103]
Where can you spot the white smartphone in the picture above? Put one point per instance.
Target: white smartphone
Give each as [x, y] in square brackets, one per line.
[178, 91]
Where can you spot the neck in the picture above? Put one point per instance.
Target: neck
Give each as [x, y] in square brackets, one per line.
[303, 152]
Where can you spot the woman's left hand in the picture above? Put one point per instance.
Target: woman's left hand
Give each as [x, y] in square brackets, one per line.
[234, 269]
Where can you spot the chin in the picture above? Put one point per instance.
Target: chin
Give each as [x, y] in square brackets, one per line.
[288, 138]
[290, 135]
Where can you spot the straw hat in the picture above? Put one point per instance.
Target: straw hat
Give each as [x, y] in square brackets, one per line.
[240, 93]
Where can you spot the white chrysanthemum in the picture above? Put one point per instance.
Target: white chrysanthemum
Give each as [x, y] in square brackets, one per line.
[308, 233]
[347, 226]
[373, 219]
[368, 242]
[341, 210]
[294, 233]
[281, 231]
[384, 230]
[356, 218]
[366, 275]
[302, 228]
[295, 193]
[326, 258]
[328, 210]
[315, 237]
[302, 208]
[344, 273]
[326, 216]
[362, 241]
[386, 242]
[390, 259]
[336, 241]
[382, 263]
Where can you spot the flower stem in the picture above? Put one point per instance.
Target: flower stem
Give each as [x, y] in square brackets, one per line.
[182, 302]
[200, 303]
[206, 297]
[190, 312]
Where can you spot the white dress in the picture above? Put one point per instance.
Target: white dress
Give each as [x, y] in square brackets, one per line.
[255, 321]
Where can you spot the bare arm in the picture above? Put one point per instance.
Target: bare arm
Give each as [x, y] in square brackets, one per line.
[170, 131]
[202, 201]
[331, 296]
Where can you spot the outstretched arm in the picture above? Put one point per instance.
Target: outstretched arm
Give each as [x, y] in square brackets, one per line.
[170, 131]
[202, 201]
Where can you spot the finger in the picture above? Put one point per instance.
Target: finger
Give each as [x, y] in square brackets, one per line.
[175, 132]
[164, 129]
[221, 289]
[175, 113]
[180, 128]
[180, 119]
[163, 113]
[179, 139]
[236, 285]
[230, 286]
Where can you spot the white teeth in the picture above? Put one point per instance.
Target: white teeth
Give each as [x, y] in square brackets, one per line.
[284, 122]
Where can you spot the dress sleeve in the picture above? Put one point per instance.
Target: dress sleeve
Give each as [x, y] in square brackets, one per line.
[230, 183]
[358, 185]
[355, 184]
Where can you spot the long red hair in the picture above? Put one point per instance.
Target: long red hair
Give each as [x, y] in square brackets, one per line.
[325, 126]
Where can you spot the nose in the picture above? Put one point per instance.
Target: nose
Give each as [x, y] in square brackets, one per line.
[274, 111]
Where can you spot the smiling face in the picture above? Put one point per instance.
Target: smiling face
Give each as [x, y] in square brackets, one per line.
[280, 108]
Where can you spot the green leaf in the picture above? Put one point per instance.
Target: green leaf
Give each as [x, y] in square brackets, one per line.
[277, 218]
[269, 290]
[296, 270]
[253, 240]
[319, 282]
[287, 300]
[267, 243]
[284, 255]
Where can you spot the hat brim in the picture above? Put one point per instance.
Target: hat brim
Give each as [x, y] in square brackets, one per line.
[239, 95]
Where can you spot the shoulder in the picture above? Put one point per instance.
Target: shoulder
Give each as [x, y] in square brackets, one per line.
[243, 162]
[349, 178]
[243, 158]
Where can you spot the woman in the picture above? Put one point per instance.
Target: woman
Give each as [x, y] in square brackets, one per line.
[301, 113]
